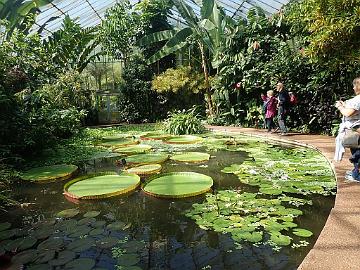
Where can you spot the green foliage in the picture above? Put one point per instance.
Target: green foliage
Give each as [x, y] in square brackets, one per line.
[181, 78]
[331, 28]
[72, 47]
[185, 122]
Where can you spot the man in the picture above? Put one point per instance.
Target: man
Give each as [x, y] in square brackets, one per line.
[283, 107]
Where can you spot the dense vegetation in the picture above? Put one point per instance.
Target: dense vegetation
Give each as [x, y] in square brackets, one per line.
[218, 63]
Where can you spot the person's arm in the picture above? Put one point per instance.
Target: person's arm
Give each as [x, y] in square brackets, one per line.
[263, 97]
[343, 110]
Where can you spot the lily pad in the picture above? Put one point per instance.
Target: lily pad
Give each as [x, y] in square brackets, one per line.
[81, 264]
[134, 149]
[44, 256]
[133, 246]
[96, 231]
[38, 267]
[128, 259]
[183, 139]
[270, 191]
[92, 214]
[179, 185]
[101, 186]
[81, 244]
[118, 142]
[107, 242]
[25, 257]
[50, 173]
[21, 244]
[116, 226]
[154, 136]
[191, 157]
[280, 239]
[51, 244]
[80, 231]
[4, 226]
[302, 232]
[145, 169]
[150, 158]
[68, 213]
[63, 258]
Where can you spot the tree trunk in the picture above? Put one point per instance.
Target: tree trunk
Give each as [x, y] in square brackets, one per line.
[207, 84]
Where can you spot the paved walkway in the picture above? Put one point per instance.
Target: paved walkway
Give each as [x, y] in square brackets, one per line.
[338, 246]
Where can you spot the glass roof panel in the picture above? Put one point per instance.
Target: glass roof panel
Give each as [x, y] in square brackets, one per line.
[91, 12]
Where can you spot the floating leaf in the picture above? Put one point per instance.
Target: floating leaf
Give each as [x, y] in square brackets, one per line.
[51, 244]
[81, 244]
[92, 214]
[191, 157]
[128, 259]
[81, 264]
[68, 213]
[302, 232]
[116, 226]
[45, 256]
[280, 239]
[179, 185]
[107, 242]
[25, 257]
[49, 173]
[145, 169]
[183, 139]
[63, 258]
[150, 158]
[134, 149]
[133, 246]
[270, 191]
[4, 226]
[103, 186]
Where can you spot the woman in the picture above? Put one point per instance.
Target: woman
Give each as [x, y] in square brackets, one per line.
[350, 110]
[270, 112]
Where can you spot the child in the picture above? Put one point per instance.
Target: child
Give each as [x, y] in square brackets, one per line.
[271, 109]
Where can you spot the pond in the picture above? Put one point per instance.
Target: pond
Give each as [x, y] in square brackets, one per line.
[266, 208]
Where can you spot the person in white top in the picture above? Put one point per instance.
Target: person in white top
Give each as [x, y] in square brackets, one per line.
[350, 110]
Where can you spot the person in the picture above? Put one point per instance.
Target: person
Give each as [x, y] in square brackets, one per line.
[264, 99]
[283, 106]
[350, 111]
[270, 109]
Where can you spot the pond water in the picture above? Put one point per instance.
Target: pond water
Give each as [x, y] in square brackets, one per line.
[157, 233]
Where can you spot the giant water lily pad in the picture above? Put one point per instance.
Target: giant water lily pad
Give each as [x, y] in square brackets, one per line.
[179, 185]
[147, 158]
[154, 136]
[145, 169]
[183, 139]
[119, 142]
[134, 149]
[49, 173]
[81, 244]
[191, 157]
[101, 186]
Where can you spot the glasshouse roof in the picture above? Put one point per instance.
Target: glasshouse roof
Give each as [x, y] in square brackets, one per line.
[91, 12]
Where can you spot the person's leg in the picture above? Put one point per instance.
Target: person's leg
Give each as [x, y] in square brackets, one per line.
[355, 159]
[281, 119]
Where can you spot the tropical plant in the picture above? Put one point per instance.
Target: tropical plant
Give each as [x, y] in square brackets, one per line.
[184, 122]
[181, 78]
[207, 32]
[73, 47]
[21, 14]
[331, 28]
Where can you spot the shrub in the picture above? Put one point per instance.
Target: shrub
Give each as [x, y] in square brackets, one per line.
[184, 122]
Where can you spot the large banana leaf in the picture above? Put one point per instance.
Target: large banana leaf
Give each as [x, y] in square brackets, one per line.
[156, 37]
[173, 45]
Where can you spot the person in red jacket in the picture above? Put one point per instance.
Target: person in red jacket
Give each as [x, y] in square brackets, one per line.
[271, 109]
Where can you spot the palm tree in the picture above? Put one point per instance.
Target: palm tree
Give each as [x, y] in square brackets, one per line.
[206, 31]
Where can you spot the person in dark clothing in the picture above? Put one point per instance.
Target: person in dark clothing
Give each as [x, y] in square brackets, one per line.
[283, 107]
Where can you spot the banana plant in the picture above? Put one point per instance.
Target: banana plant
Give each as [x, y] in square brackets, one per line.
[21, 14]
[73, 46]
[207, 31]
